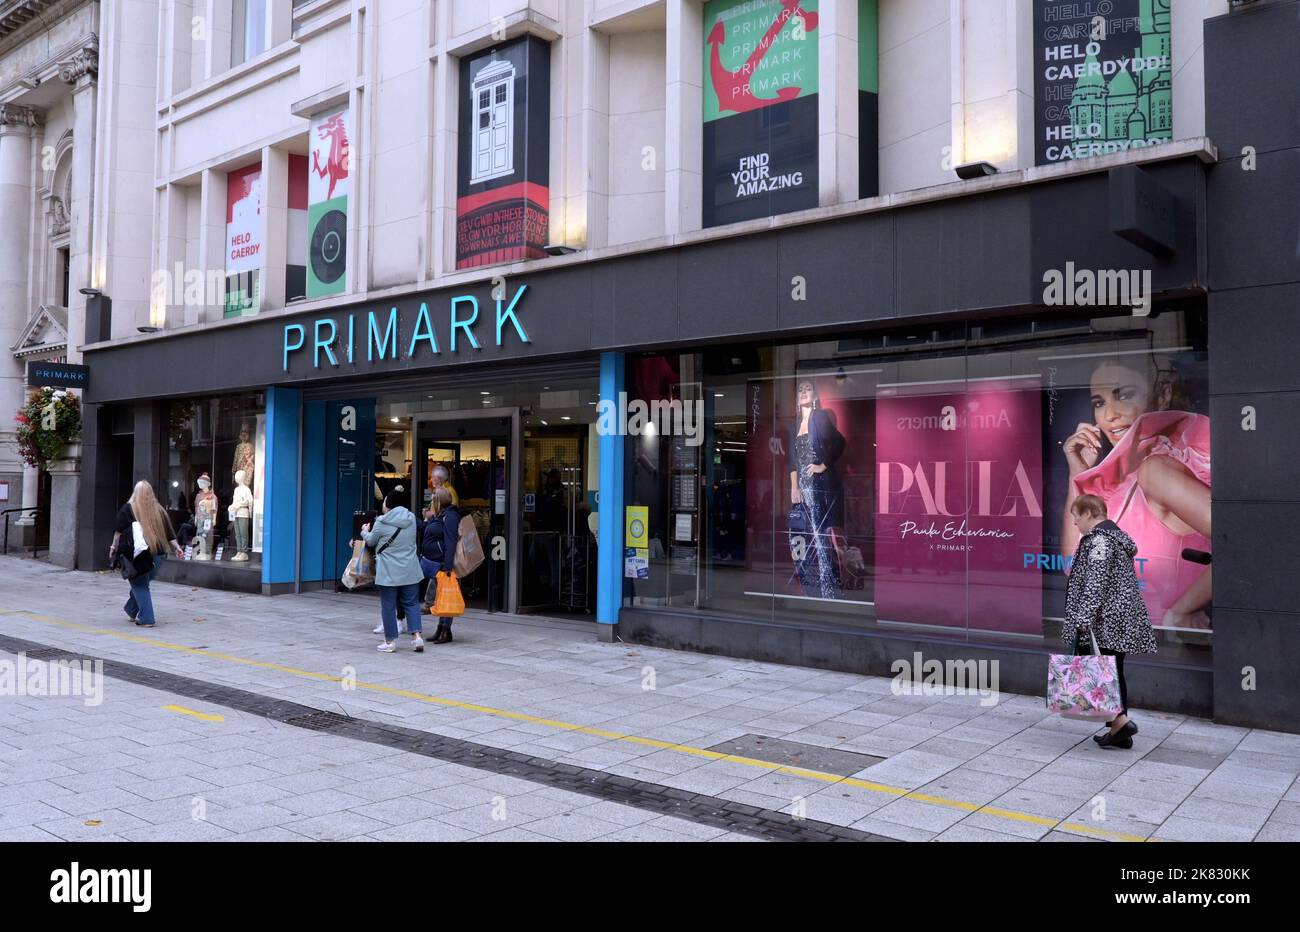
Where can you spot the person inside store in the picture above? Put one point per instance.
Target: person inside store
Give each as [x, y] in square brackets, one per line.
[439, 534]
[141, 535]
[1102, 597]
[816, 489]
[439, 478]
[1150, 463]
[397, 570]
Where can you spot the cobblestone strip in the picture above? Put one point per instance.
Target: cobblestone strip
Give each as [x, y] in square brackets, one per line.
[725, 814]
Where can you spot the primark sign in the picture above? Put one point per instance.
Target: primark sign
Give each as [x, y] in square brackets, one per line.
[379, 335]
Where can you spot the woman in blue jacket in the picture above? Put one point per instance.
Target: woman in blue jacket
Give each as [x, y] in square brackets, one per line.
[439, 534]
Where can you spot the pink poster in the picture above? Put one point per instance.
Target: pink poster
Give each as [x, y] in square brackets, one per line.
[959, 501]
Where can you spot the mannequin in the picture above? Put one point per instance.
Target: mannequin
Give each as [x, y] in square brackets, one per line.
[245, 454]
[205, 517]
[241, 513]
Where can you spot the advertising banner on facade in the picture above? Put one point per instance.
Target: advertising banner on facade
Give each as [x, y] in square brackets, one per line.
[868, 98]
[760, 108]
[245, 232]
[1129, 425]
[503, 163]
[1102, 77]
[958, 501]
[329, 183]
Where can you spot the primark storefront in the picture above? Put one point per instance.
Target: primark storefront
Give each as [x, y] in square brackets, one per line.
[836, 441]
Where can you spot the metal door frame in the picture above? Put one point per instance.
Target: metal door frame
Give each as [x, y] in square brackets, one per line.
[513, 478]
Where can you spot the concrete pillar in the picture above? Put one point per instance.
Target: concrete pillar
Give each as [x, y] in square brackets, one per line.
[275, 216]
[837, 101]
[683, 118]
[81, 71]
[212, 242]
[65, 485]
[17, 128]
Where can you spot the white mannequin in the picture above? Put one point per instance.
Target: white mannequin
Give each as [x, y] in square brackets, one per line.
[241, 513]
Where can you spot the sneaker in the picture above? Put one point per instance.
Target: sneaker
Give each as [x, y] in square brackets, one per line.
[386, 648]
[417, 643]
[379, 628]
[402, 628]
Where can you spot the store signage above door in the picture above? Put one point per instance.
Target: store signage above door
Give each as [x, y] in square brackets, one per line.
[376, 336]
[57, 374]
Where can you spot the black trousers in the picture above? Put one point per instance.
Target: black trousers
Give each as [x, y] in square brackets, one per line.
[1119, 672]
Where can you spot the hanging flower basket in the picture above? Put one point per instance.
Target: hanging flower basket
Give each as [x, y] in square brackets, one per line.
[40, 446]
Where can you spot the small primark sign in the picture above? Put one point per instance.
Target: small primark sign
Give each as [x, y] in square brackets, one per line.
[57, 375]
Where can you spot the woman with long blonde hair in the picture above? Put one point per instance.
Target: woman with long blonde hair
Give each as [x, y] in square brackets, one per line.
[141, 535]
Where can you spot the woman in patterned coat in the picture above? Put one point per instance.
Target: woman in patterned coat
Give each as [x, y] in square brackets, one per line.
[1103, 595]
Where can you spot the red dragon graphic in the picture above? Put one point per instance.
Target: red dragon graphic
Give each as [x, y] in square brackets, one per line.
[732, 87]
[336, 163]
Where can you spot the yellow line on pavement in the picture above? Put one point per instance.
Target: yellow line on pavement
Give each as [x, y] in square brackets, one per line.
[204, 716]
[820, 776]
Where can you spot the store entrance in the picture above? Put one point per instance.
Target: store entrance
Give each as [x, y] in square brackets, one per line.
[472, 458]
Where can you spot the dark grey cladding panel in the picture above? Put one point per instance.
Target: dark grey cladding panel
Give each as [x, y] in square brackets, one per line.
[604, 306]
[1252, 71]
[645, 298]
[965, 254]
[1260, 465]
[1256, 220]
[1264, 642]
[1254, 333]
[1073, 224]
[1254, 548]
[847, 269]
[728, 287]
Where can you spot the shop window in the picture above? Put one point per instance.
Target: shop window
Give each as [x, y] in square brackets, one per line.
[913, 482]
[215, 477]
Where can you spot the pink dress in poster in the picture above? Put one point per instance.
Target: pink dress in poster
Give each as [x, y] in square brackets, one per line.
[1185, 437]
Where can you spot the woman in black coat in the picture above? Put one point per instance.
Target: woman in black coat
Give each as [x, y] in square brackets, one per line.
[815, 488]
[1103, 595]
[438, 535]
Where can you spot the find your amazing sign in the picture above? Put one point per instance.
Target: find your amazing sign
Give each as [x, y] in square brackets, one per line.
[375, 336]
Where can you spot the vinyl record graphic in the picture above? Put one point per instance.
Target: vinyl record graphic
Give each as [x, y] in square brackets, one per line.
[329, 246]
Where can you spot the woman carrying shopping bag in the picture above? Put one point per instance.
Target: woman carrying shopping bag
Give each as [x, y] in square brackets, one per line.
[397, 571]
[439, 534]
[141, 535]
[1103, 602]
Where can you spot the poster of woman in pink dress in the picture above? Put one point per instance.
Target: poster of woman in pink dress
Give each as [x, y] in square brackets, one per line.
[1148, 458]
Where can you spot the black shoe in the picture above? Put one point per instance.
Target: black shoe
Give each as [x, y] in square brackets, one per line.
[1129, 730]
[1131, 723]
[1120, 739]
[442, 635]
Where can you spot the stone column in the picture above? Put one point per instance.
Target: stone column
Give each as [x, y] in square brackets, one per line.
[81, 71]
[65, 485]
[17, 128]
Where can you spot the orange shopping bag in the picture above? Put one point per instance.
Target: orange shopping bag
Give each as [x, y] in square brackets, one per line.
[449, 602]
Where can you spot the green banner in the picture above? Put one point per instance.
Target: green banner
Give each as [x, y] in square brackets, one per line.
[758, 53]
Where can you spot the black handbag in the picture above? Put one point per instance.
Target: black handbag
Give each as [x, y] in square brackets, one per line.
[131, 568]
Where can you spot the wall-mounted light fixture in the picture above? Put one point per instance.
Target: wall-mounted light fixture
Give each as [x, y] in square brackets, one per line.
[973, 170]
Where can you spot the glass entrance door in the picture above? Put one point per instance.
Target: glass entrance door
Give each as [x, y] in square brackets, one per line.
[471, 458]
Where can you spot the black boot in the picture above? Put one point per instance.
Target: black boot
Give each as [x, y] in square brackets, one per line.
[442, 635]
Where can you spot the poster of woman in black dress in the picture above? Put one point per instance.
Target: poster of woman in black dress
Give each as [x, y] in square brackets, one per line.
[816, 493]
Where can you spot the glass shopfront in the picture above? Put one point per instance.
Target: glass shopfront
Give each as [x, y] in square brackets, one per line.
[215, 482]
[920, 480]
[520, 453]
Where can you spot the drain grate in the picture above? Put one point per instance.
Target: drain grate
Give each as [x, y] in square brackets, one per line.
[320, 721]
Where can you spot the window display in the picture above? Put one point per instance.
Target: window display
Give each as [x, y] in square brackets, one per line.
[923, 480]
[215, 477]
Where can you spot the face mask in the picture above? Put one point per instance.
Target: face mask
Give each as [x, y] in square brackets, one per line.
[204, 484]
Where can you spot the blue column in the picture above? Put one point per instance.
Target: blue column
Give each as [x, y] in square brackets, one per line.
[280, 518]
[609, 585]
[317, 494]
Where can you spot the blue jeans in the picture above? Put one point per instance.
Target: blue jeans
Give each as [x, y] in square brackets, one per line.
[409, 596]
[139, 604]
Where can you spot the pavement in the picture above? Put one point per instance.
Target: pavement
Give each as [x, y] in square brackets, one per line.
[530, 729]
